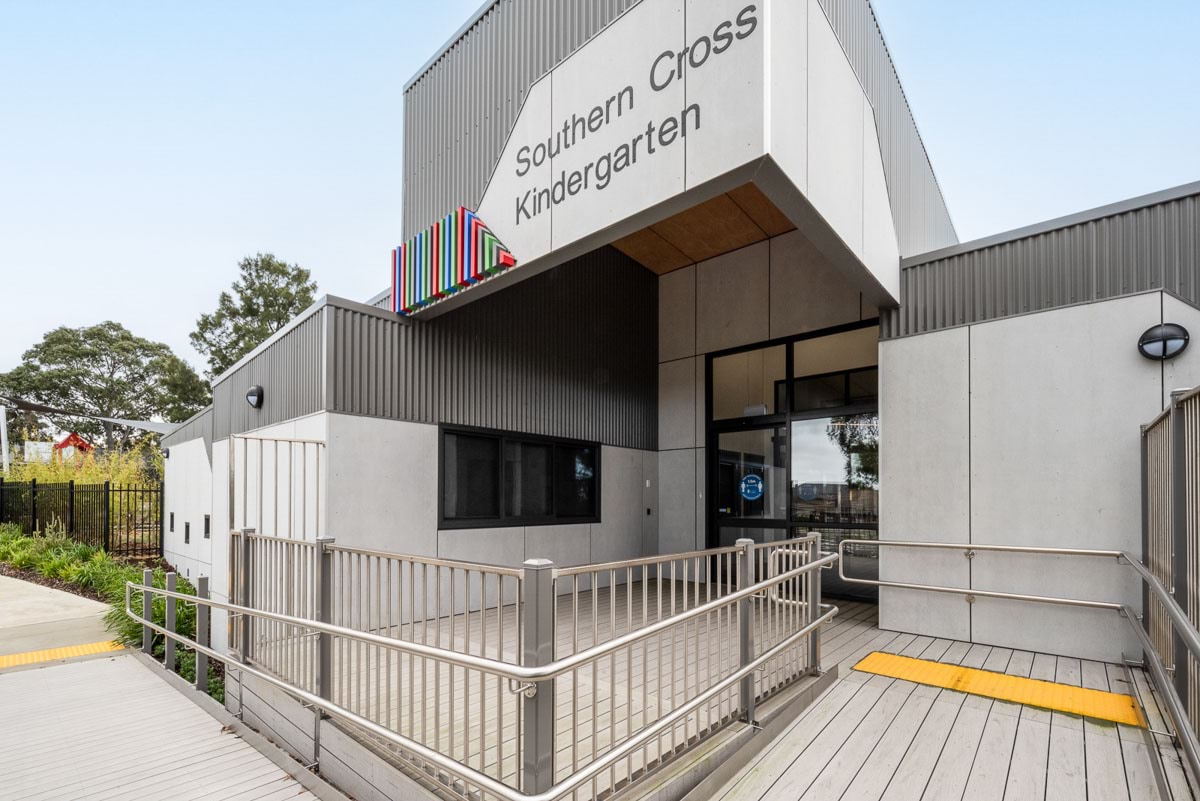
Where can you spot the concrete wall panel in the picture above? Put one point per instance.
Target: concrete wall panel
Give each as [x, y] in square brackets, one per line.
[924, 479]
[677, 404]
[677, 314]
[677, 500]
[731, 295]
[807, 293]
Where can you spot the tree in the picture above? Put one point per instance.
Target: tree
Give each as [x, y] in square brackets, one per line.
[105, 371]
[857, 436]
[267, 294]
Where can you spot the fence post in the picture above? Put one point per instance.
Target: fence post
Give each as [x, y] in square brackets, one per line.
[71, 506]
[1179, 549]
[323, 593]
[162, 496]
[147, 611]
[202, 638]
[537, 585]
[105, 520]
[33, 517]
[814, 610]
[169, 643]
[246, 593]
[746, 626]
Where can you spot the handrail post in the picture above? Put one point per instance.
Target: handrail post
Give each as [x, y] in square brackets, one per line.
[202, 637]
[246, 594]
[1144, 457]
[169, 641]
[814, 610]
[1179, 547]
[323, 593]
[746, 626]
[147, 611]
[537, 586]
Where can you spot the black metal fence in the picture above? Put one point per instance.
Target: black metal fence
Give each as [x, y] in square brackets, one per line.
[125, 520]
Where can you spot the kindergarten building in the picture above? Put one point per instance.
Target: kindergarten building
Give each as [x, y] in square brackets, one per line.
[674, 273]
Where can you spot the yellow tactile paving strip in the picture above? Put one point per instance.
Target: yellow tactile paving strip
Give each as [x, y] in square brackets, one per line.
[1097, 704]
[53, 654]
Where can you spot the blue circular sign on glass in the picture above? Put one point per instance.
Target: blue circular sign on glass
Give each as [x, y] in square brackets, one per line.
[751, 487]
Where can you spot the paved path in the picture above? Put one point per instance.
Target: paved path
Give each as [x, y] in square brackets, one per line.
[37, 618]
[109, 728]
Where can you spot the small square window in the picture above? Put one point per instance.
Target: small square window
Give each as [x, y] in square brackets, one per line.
[187, 533]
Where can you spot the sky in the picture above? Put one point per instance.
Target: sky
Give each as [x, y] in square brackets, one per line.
[146, 147]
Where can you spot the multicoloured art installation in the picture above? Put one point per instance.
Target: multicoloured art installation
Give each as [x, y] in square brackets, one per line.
[449, 256]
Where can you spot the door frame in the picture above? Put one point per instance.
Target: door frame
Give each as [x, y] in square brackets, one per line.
[714, 428]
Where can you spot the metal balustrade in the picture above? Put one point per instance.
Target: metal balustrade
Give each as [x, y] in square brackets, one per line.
[531, 683]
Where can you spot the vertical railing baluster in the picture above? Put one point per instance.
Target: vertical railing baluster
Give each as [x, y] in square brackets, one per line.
[147, 611]
[745, 627]
[202, 637]
[538, 649]
[169, 643]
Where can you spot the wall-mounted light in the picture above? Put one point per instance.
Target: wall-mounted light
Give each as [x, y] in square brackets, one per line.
[254, 396]
[166, 453]
[1162, 342]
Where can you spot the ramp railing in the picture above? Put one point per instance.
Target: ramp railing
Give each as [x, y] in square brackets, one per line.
[531, 683]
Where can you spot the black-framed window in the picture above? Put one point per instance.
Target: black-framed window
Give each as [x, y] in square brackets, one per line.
[207, 526]
[497, 478]
[187, 533]
[171, 524]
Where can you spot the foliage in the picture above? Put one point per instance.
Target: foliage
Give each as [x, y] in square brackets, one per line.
[105, 371]
[55, 556]
[267, 294]
[140, 464]
[857, 435]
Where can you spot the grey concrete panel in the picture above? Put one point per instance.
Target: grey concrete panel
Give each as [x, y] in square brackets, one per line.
[677, 404]
[924, 478]
[619, 533]
[493, 546]
[1057, 399]
[565, 546]
[731, 294]
[1184, 369]
[701, 499]
[807, 292]
[701, 409]
[649, 511]
[677, 500]
[382, 484]
[677, 314]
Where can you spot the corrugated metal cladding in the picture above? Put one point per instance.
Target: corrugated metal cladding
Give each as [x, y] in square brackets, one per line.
[1154, 247]
[290, 371]
[196, 427]
[571, 352]
[457, 115]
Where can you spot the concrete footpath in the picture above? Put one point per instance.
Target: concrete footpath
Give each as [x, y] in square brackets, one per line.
[40, 620]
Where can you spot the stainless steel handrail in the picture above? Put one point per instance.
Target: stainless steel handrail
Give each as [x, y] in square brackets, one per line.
[456, 768]
[1182, 725]
[478, 567]
[484, 664]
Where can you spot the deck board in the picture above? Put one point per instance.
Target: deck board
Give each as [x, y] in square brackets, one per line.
[71, 732]
[872, 738]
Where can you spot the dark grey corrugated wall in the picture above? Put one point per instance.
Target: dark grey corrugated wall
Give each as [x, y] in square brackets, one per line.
[458, 113]
[1156, 246]
[571, 352]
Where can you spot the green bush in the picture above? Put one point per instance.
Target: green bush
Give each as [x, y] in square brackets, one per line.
[56, 556]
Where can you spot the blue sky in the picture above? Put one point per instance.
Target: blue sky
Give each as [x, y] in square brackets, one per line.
[145, 147]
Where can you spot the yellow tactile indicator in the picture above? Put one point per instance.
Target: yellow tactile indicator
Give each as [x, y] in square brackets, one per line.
[53, 654]
[1097, 704]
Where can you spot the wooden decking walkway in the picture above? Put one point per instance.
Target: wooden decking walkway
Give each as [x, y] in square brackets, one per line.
[108, 728]
[871, 737]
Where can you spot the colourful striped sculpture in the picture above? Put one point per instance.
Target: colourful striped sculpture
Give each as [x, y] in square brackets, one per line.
[451, 255]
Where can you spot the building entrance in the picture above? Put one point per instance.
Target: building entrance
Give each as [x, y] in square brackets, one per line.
[793, 445]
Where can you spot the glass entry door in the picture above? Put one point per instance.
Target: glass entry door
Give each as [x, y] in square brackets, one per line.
[793, 447]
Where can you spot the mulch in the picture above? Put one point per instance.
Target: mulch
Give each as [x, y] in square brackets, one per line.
[57, 584]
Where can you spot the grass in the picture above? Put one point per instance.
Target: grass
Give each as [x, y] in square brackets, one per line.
[53, 555]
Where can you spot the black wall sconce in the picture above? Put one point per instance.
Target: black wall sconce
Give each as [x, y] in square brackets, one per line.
[254, 396]
[1162, 342]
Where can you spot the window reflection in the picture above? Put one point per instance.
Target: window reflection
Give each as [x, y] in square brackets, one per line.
[835, 469]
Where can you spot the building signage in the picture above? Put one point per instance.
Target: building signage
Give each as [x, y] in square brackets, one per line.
[600, 169]
[751, 487]
[669, 96]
